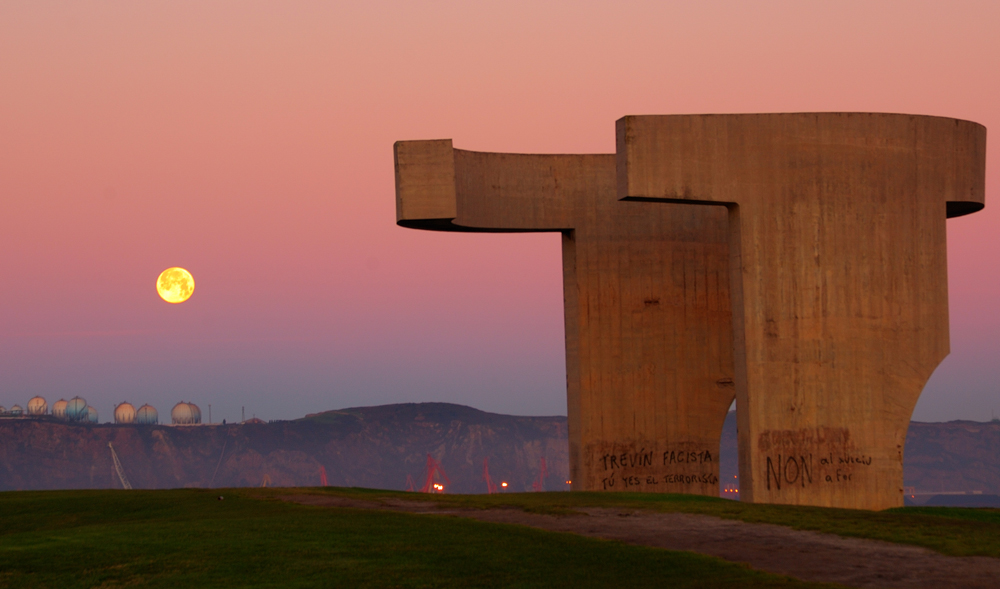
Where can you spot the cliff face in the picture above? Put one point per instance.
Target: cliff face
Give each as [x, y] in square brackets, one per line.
[952, 456]
[365, 447]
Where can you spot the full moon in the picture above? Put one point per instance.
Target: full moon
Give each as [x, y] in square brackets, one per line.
[175, 285]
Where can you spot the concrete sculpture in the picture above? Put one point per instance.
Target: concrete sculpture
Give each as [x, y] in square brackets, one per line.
[838, 274]
[837, 261]
[648, 343]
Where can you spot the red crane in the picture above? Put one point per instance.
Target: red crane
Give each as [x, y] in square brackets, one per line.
[543, 471]
[433, 466]
[491, 487]
[322, 476]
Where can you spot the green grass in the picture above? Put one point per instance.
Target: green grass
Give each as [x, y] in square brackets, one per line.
[949, 530]
[188, 538]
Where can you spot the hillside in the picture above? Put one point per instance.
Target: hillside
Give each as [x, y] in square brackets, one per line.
[364, 446]
[381, 446]
[953, 456]
[948, 457]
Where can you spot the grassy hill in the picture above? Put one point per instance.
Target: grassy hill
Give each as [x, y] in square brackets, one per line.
[250, 538]
[190, 538]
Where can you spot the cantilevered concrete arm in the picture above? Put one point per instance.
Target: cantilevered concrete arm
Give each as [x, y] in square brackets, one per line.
[446, 189]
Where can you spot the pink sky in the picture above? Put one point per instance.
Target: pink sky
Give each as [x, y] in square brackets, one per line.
[251, 143]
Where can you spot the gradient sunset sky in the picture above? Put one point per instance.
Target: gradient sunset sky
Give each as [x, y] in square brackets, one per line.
[251, 143]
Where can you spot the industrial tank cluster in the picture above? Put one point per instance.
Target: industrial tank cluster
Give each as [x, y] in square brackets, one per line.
[182, 414]
[145, 415]
[76, 409]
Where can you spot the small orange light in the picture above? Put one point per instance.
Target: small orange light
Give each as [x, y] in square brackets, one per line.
[503, 484]
[569, 482]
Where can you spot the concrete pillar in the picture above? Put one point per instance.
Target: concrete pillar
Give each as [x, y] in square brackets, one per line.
[838, 273]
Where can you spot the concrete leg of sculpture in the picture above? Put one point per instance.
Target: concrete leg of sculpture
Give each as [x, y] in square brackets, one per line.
[648, 341]
[839, 279]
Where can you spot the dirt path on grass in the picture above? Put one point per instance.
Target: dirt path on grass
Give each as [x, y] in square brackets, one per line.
[810, 556]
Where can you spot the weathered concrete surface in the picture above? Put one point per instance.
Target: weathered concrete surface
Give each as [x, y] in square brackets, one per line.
[838, 274]
[648, 342]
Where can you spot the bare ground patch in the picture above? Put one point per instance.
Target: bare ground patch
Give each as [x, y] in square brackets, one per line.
[810, 556]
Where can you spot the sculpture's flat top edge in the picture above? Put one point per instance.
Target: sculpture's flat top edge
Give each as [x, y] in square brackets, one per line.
[514, 153]
[824, 114]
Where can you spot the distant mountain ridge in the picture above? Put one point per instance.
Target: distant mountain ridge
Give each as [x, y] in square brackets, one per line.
[361, 446]
[953, 456]
[381, 446]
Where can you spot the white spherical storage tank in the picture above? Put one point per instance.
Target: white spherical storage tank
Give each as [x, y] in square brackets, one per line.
[16, 410]
[147, 415]
[185, 414]
[59, 408]
[125, 413]
[76, 409]
[37, 406]
[91, 416]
